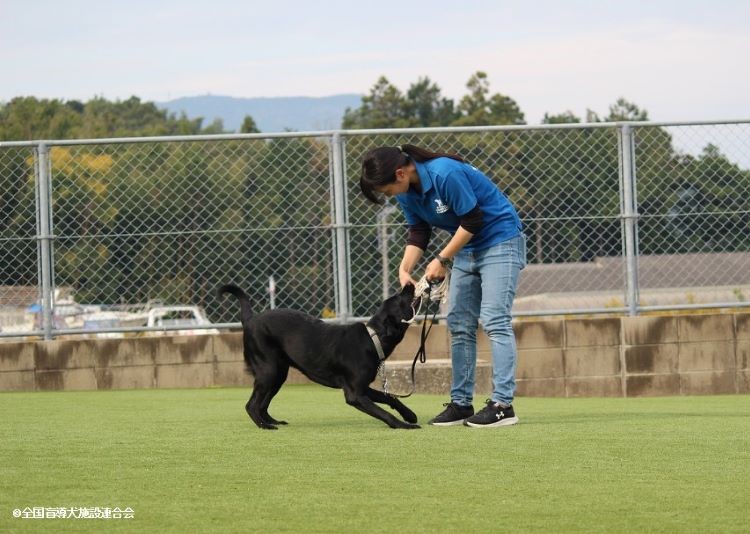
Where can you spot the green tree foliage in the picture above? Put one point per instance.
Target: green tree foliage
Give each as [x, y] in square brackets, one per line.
[695, 204]
[384, 107]
[622, 110]
[561, 118]
[248, 125]
[140, 221]
[18, 226]
[128, 217]
[479, 108]
[570, 193]
[553, 175]
[423, 105]
[28, 118]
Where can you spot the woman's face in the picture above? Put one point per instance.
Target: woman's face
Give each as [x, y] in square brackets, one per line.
[398, 186]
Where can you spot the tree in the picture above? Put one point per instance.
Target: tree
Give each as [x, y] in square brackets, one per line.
[622, 110]
[425, 106]
[26, 118]
[566, 117]
[573, 180]
[695, 203]
[185, 126]
[248, 125]
[478, 108]
[382, 108]
[216, 127]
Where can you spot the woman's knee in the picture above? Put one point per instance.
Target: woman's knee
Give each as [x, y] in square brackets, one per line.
[461, 326]
[501, 325]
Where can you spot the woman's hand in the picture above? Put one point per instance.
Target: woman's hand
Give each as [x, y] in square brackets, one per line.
[435, 271]
[405, 278]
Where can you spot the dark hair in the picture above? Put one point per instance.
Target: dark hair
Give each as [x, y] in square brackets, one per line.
[379, 166]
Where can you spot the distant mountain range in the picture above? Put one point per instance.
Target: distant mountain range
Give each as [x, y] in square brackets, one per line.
[299, 113]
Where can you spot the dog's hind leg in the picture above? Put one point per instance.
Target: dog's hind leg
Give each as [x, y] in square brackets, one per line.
[365, 404]
[263, 383]
[282, 371]
[271, 369]
[393, 402]
[254, 406]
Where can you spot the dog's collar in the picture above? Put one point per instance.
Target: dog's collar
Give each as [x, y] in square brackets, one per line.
[376, 342]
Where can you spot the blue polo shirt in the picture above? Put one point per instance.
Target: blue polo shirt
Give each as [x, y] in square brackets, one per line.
[451, 189]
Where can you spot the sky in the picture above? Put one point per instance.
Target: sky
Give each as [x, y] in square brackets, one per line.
[679, 60]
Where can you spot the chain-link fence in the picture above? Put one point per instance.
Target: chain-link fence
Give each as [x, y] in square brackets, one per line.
[623, 217]
[18, 244]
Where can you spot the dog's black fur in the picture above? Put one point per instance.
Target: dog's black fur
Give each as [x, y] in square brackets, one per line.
[337, 356]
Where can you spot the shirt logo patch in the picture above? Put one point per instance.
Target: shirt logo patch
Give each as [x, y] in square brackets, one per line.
[440, 207]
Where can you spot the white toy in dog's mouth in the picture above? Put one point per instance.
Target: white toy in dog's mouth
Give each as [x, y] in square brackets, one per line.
[436, 291]
[426, 291]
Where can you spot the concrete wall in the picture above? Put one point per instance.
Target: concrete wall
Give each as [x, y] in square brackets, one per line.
[620, 356]
[635, 356]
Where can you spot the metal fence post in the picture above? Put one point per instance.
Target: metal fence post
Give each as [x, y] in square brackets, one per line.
[384, 239]
[343, 297]
[629, 215]
[44, 238]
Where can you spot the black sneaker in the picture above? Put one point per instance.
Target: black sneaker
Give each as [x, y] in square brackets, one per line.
[494, 414]
[453, 414]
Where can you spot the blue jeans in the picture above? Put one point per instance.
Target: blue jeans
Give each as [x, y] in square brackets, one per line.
[482, 287]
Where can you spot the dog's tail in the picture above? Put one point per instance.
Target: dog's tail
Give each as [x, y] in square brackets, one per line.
[246, 312]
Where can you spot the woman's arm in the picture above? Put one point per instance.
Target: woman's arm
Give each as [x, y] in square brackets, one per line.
[435, 269]
[412, 255]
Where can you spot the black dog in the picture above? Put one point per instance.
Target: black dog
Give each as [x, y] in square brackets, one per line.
[338, 356]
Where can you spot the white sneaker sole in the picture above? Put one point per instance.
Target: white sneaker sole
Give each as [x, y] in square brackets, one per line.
[451, 423]
[504, 422]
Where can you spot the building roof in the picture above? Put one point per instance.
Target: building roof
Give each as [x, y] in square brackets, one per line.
[654, 271]
[664, 279]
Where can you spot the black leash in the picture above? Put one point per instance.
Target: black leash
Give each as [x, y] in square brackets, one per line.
[421, 354]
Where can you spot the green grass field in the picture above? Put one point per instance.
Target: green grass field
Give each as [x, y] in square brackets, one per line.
[191, 461]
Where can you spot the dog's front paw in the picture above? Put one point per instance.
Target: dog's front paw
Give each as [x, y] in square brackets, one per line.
[406, 426]
[409, 416]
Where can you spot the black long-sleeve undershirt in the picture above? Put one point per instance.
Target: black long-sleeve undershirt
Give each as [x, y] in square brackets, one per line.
[419, 234]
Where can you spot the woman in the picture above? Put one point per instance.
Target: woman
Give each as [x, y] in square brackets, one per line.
[487, 250]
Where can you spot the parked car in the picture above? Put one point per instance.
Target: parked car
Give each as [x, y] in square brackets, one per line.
[171, 316]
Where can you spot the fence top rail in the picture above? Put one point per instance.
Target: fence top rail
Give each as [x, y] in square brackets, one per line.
[353, 133]
[566, 126]
[167, 138]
